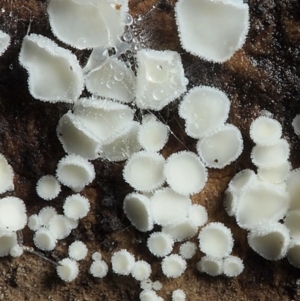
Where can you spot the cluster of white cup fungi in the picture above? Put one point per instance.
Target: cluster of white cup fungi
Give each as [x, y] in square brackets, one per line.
[260, 201]
[104, 126]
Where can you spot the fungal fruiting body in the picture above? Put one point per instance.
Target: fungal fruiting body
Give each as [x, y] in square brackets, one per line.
[160, 244]
[76, 206]
[122, 262]
[54, 72]
[4, 41]
[160, 78]
[210, 265]
[6, 175]
[78, 250]
[173, 266]
[141, 270]
[48, 187]
[99, 269]
[67, 269]
[232, 266]
[213, 30]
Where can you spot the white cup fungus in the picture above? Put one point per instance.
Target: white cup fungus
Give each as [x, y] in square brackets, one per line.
[148, 295]
[76, 206]
[75, 138]
[141, 270]
[213, 30]
[77, 250]
[198, 215]
[87, 24]
[165, 199]
[293, 253]
[260, 203]
[233, 266]
[7, 241]
[210, 265]
[182, 230]
[99, 269]
[222, 147]
[16, 251]
[44, 239]
[137, 209]
[152, 134]
[67, 269]
[160, 78]
[60, 226]
[98, 115]
[122, 262]
[293, 188]
[46, 214]
[160, 244]
[241, 181]
[173, 266]
[112, 80]
[205, 109]
[187, 250]
[275, 175]
[54, 72]
[75, 172]
[265, 131]
[215, 240]
[48, 187]
[12, 214]
[185, 173]
[144, 171]
[292, 222]
[34, 222]
[97, 256]
[272, 155]
[6, 172]
[270, 240]
[123, 145]
[4, 41]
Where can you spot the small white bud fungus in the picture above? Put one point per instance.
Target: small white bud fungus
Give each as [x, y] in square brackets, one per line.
[144, 171]
[270, 240]
[46, 214]
[146, 284]
[6, 171]
[216, 240]
[67, 269]
[44, 239]
[4, 41]
[185, 173]
[197, 215]
[153, 134]
[137, 209]
[210, 265]
[75, 172]
[48, 187]
[16, 251]
[160, 78]
[157, 285]
[173, 266]
[77, 250]
[270, 156]
[160, 244]
[188, 250]
[97, 256]
[163, 201]
[233, 266]
[178, 295]
[34, 222]
[141, 270]
[76, 206]
[222, 147]
[122, 262]
[54, 72]
[205, 109]
[213, 30]
[59, 226]
[12, 214]
[148, 295]
[99, 269]
[265, 131]
[7, 241]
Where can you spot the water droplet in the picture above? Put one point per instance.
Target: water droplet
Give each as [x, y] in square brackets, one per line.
[119, 75]
[158, 94]
[127, 36]
[81, 42]
[128, 20]
[110, 84]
